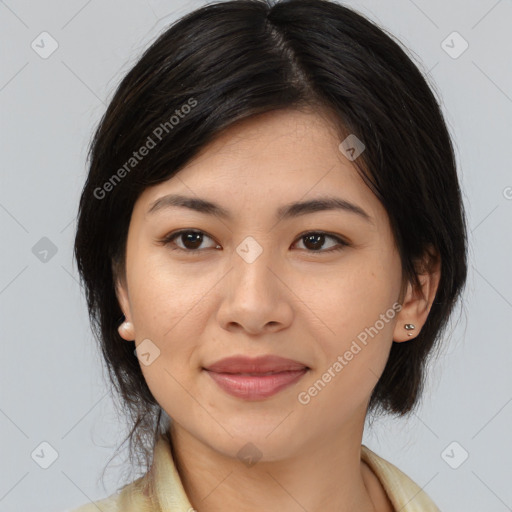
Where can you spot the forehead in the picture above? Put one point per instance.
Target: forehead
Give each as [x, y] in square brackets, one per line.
[268, 160]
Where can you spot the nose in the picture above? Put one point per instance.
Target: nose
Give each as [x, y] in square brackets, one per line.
[255, 296]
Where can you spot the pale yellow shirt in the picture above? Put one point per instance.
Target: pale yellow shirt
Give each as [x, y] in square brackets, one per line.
[166, 493]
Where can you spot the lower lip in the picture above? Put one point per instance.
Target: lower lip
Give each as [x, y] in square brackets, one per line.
[255, 387]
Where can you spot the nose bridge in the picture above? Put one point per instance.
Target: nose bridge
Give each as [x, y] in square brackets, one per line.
[253, 298]
[251, 261]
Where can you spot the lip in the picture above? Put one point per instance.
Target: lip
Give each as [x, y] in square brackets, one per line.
[261, 364]
[255, 378]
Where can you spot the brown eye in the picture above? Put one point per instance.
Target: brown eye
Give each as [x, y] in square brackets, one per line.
[190, 239]
[315, 241]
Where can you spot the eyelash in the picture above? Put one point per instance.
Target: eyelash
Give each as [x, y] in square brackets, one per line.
[169, 239]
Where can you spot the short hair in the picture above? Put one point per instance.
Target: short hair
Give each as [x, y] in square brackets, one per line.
[231, 60]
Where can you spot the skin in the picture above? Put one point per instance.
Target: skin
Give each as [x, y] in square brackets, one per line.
[293, 301]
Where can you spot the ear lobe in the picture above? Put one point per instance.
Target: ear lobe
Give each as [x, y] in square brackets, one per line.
[418, 301]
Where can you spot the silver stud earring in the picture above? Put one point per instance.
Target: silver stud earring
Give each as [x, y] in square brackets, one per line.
[409, 327]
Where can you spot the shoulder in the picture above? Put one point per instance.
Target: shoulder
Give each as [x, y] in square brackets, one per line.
[110, 504]
[404, 493]
[130, 498]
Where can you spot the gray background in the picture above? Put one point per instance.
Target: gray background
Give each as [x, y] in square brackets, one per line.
[52, 384]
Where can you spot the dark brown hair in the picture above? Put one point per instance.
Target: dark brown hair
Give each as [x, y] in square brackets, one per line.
[228, 61]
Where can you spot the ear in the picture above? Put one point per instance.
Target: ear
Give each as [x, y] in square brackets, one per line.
[126, 329]
[417, 302]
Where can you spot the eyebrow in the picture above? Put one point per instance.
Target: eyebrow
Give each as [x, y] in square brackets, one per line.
[287, 211]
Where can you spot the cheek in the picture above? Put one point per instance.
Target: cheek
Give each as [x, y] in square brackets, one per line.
[166, 300]
[168, 311]
[353, 354]
[355, 299]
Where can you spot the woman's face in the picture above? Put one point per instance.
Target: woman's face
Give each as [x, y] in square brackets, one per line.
[254, 283]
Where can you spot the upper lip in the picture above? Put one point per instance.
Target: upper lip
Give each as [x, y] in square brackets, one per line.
[262, 364]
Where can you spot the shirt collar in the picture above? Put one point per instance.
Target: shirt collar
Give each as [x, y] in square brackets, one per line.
[168, 494]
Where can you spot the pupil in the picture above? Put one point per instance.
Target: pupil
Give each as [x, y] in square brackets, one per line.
[316, 239]
[189, 237]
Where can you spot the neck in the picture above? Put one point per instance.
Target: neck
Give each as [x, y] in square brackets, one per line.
[327, 474]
